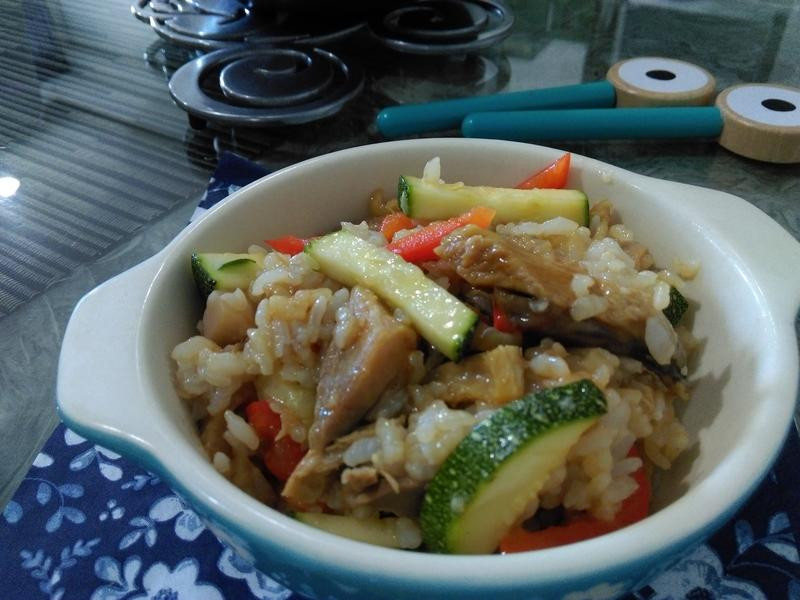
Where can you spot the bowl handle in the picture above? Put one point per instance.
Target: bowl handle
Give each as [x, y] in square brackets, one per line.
[777, 260]
[100, 340]
[770, 250]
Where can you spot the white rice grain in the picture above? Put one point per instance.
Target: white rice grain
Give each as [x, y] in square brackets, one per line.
[219, 398]
[407, 533]
[660, 338]
[241, 430]
[555, 226]
[660, 296]
[620, 233]
[360, 451]
[547, 365]
[686, 269]
[222, 368]
[580, 284]
[587, 307]
[222, 463]
[432, 170]
[363, 231]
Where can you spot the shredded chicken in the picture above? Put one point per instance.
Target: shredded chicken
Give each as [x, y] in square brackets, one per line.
[318, 469]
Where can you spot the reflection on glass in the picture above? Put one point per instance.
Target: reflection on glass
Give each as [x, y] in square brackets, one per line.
[8, 186]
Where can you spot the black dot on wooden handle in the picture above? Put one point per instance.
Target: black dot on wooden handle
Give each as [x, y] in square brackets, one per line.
[778, 105]
[660, 74]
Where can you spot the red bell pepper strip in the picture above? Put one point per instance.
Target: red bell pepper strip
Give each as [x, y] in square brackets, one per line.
[394, 222]
[280, 456]
[419, 246]
[553, 176]
[265, 421]
[283, 457]
[501, 321]
[288, 244]
[583, 527]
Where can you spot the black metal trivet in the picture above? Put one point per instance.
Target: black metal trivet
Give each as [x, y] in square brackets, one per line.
[262, 85]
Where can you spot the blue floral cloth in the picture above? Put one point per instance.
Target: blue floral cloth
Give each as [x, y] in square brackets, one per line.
[87, 524]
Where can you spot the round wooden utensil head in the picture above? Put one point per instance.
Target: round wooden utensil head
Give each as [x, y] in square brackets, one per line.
[655, 81]
[761, 121]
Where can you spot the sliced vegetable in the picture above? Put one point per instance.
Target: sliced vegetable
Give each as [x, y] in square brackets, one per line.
[486, 483]
[265, 422]
[289, 398]
[441, 318]
[501, 321]
[224, 271]
[394, 222]
[282, 457]
[389, 532]
[421, 199]
[553, 176]
[676, 307]
[583, 527]
[288, 244]
[419, 245]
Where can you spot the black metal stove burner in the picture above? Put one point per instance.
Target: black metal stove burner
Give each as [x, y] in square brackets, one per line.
[215, 24]
[260, 85]
[443, 26]
[146, 10]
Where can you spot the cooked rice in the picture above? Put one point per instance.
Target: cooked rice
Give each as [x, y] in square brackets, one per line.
[241, 430]
[296, 312]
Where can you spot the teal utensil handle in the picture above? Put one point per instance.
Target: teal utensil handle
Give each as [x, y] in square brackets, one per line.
[409, 119]
[595, 124]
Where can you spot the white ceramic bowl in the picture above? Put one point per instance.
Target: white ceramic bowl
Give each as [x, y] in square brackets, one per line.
[115, 387]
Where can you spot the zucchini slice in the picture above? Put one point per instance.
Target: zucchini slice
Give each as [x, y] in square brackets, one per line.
[421, 199]
[484, 486]
[676, 307]
[224, 271]
[388, 532]
[438, 316]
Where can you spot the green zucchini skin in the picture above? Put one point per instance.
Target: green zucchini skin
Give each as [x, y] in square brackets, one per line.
[677, 306]
[379, 532]
[404, 194]
[224, 271]
[423, 199]
[518, 430]
[438, 316]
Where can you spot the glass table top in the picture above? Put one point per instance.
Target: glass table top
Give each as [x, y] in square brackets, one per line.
[99, 168]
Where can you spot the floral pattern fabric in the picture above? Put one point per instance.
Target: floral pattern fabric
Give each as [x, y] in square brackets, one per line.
[86, 523]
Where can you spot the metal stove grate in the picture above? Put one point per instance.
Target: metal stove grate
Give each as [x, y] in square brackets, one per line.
[266, 68]
[265, 85]
[442, 26]
[215, 24]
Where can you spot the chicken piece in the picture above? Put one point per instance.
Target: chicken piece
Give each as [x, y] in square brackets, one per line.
[357, 479]
[389, 495]
[319, 469]
[227, 317]
[491, 378]
[487, 259]
[353, 378]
